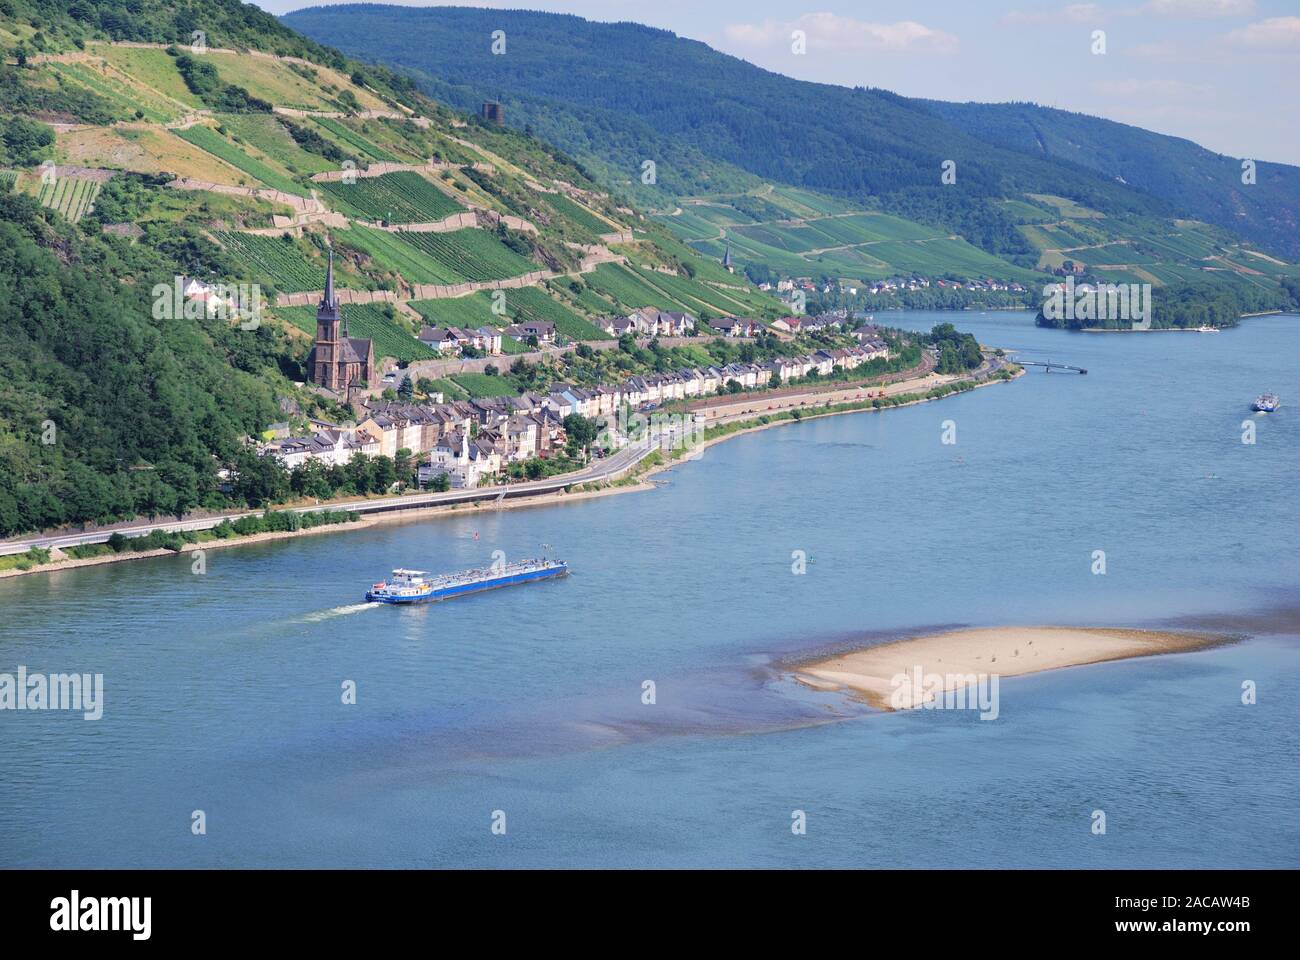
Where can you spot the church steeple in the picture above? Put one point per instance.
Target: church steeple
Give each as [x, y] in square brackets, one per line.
[329, 299]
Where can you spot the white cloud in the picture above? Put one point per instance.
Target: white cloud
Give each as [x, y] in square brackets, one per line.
[831, 33]
[1276, 33]
[1201, 8]
[1074, 13]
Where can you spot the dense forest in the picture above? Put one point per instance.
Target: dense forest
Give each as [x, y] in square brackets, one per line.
[104, 412]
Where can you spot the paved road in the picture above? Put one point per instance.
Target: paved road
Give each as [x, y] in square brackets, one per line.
[609, 468]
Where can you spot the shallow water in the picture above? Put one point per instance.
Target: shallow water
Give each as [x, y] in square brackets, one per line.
[223, 690]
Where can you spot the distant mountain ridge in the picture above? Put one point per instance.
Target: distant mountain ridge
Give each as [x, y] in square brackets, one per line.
[616, 94]
[1175, 169]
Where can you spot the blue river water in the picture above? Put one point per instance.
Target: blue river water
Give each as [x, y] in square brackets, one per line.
[525, 706]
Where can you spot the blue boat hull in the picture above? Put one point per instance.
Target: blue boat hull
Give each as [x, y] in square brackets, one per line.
[448, 593]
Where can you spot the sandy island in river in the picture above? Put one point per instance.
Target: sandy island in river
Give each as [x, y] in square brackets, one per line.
[1001, 651]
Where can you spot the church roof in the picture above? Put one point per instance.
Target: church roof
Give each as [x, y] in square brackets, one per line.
[356, 349]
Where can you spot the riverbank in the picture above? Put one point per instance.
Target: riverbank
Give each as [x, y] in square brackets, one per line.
[637, 479]
[954, 659]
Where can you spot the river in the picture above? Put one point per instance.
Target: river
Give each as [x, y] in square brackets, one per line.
[526, 707]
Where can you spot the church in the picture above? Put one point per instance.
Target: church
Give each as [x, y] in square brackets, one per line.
[338, 362]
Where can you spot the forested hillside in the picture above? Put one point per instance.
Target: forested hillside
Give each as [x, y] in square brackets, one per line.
[1194, 180]
[575, 82]
[617, 94]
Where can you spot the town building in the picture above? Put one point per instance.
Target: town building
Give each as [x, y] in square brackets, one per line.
[338, 362]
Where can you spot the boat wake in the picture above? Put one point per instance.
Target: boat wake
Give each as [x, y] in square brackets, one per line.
[330, 614]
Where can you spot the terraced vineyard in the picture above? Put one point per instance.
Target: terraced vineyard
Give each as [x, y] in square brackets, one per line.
[620, 284]
[125, 98]
[593, 302]
[578, 214]
[531, 304]
[468, 313]
[207, 139]
[273, 260]
[345, 136]
[799, 233]
[472, 254]
[402, 197]
[700, 298]
[71, 196]
[271, 137]
[390, 253]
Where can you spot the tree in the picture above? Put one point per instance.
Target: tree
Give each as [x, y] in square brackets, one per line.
[260, 479]
[404, 465]
[581, 431]
[406, 390]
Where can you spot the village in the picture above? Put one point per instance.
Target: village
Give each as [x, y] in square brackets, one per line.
[472, 442]
[786, 286]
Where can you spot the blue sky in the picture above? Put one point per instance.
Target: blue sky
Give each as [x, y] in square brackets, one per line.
[1224, 73]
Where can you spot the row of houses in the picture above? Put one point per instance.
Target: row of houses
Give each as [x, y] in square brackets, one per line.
[454, 339]
[470, 440]
[803, 324]
[649, 322]
[467, 439]
[659, 388]
[898, 284]
[889, 285]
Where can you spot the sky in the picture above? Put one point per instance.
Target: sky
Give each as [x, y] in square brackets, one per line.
[1224, 73]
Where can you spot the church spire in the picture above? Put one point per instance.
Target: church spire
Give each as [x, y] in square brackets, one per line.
[329, 300]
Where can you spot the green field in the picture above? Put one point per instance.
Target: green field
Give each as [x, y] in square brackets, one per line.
[205, 138]
[449, 389]
[272, 259]
[469, 313]
[620, 284]
[482, 385]
[471, 253]
[402, 197]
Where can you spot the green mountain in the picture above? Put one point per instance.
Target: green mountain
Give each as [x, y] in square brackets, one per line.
[1197, 182]
[614, 95]
[133, 152]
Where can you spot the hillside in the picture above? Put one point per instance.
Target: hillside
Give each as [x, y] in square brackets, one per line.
[131, 157]
[711, 120]
[1197, 182]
